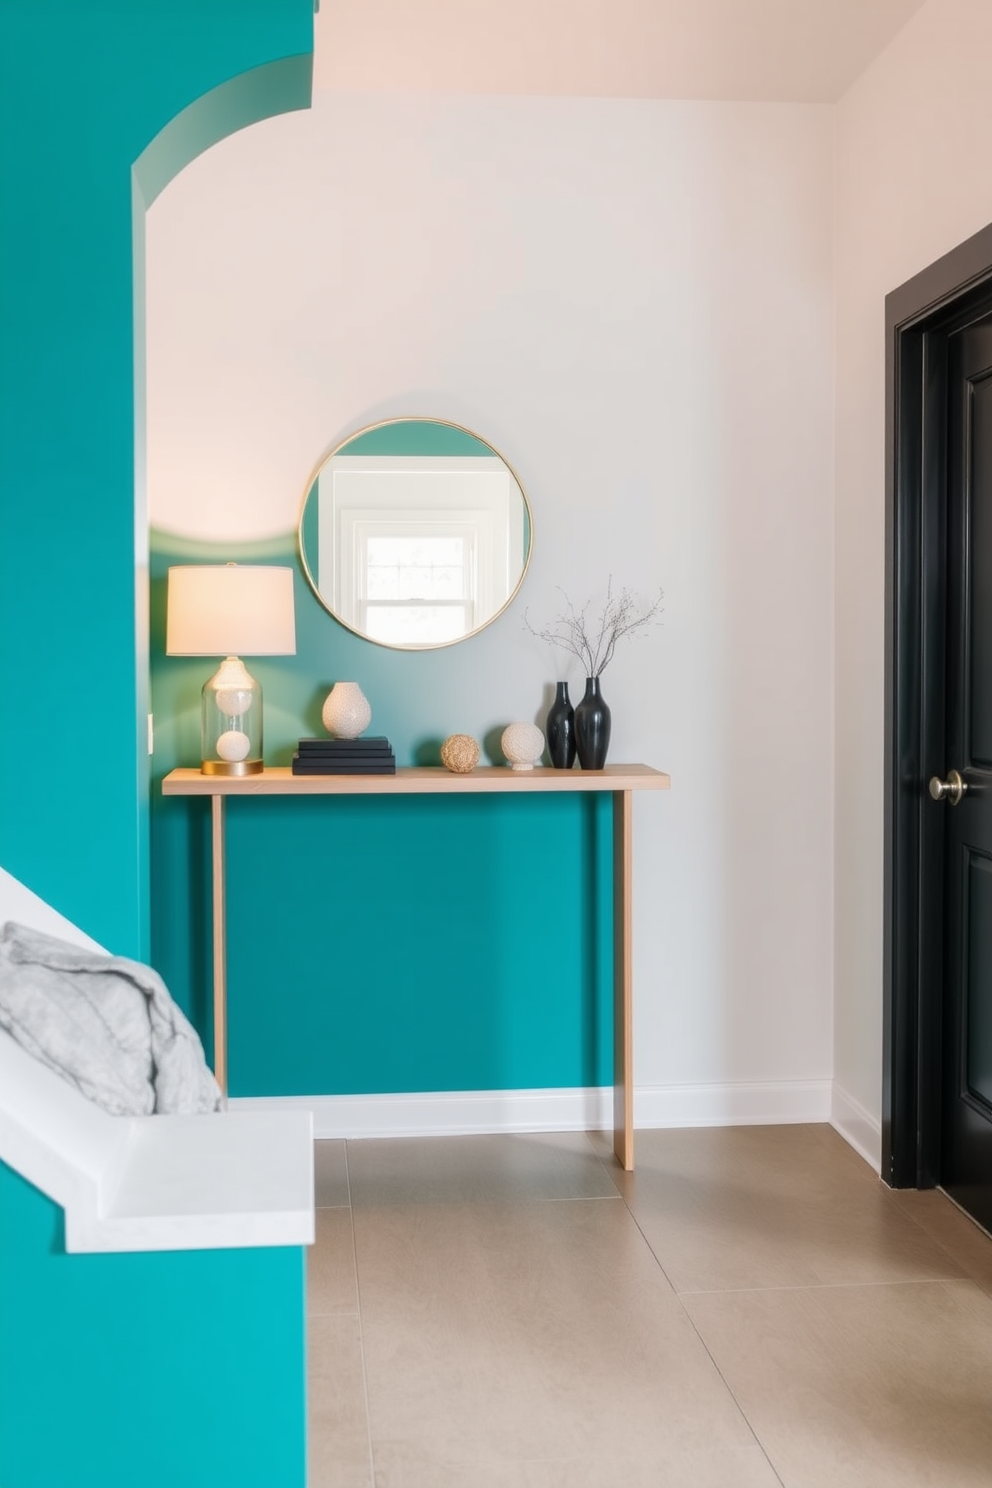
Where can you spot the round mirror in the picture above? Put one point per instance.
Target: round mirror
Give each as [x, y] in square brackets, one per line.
[415, 533]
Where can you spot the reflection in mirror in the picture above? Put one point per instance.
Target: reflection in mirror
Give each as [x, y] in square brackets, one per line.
[415, 533]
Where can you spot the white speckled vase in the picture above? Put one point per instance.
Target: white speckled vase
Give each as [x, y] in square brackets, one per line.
[523, 745]
[346, 712]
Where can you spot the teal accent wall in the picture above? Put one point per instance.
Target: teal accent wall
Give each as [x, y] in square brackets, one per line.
[142, 1371]
[418, 944]
[85, 91]
[379, 944]
[149, 1370]
[310, 532]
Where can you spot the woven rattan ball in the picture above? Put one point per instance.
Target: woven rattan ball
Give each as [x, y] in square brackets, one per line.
[459, 753]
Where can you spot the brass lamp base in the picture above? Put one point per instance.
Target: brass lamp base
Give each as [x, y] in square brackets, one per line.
[232, 767]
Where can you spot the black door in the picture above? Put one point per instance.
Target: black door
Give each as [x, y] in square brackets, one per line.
[966, 1060]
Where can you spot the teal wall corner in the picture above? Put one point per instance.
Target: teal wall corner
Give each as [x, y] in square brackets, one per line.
[278, 87]
[87, 93]
[146, 1370]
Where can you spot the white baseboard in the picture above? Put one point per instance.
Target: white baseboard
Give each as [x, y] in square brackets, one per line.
[447, 1112]
[857, 1126]
[749, 1103]
[462, 1112]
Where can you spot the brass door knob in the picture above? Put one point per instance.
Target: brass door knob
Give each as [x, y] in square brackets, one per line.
[950, 790]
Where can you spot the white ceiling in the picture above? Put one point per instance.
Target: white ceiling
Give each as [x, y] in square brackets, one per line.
[802, 51]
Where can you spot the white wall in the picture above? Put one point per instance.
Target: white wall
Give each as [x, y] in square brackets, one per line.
[914, 178]
[633, 301]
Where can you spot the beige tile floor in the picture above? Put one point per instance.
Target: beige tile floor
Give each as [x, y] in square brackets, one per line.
[750, 1308]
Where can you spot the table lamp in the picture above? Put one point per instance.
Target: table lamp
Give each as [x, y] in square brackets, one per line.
[224, 610]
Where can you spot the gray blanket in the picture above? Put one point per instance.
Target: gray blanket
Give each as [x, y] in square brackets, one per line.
[105, 1024]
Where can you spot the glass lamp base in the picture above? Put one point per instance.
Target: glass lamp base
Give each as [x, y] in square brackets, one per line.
[231, 722]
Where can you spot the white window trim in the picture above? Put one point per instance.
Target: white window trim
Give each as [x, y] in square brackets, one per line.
[476, 535]
[496, 515]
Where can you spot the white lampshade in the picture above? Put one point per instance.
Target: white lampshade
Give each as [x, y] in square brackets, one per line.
[230, 609]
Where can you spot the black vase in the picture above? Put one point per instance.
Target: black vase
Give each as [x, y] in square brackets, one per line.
[560, 728]
[592, 727]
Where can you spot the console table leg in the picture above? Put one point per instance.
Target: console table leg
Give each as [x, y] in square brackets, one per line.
[623, 999]
[220, 944]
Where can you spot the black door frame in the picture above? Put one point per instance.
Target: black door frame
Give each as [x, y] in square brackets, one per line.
[917, 315]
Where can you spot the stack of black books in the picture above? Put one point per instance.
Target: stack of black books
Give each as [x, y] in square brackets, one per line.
[344, 757]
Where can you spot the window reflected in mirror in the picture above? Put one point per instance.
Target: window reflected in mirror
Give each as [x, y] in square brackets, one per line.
[415, 533]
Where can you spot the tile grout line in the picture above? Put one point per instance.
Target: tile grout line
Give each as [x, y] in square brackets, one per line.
[986, 1234]
[935, 1240]
[687, 1315]
[825, 1286]
[727, 1385]
[361, 1328]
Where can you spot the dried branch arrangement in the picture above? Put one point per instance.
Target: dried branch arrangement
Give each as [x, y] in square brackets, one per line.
[594, 641]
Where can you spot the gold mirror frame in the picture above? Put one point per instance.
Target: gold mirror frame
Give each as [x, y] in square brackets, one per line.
[341, 448]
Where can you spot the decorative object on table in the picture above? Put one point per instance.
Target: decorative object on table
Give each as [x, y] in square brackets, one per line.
[592, 727]
[346, 712]
[344, 757]
[523, 745]
[222, 610]
[459, 754]
[560, 729]
[594, 643]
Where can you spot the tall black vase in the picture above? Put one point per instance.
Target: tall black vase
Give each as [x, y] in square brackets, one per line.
[560, 728]
[592, 727]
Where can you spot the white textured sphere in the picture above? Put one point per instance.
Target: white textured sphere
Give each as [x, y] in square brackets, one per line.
[233, 700]
[523, 745]
[233, 746]
[346, 711]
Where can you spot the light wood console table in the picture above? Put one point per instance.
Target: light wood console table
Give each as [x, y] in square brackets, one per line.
[620, 780]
